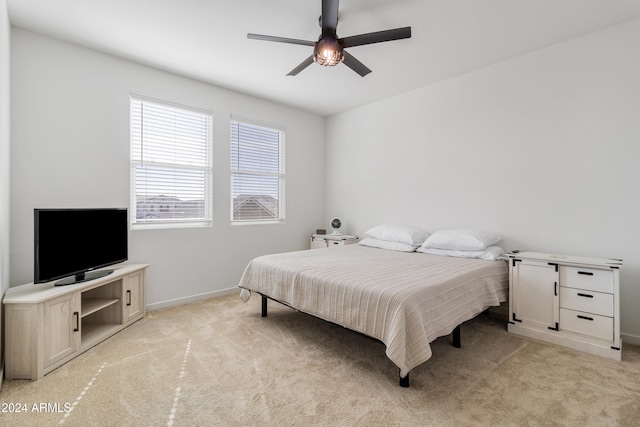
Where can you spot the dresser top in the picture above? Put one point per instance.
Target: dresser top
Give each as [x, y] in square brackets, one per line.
[567, 259]
[334, 236]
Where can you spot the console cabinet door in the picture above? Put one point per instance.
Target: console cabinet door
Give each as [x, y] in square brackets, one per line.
[535, 299]
[61, 327]
[134, 296]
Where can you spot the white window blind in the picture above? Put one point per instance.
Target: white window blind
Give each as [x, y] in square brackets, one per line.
[257, 171]
[170, 165]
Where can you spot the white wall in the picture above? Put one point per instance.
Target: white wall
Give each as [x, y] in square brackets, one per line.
[4, 162]
[70, 148]
[542, 148]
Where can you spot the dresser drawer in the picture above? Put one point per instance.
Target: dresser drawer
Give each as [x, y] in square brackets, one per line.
[586, 324]
[587, 278]
[587, 301]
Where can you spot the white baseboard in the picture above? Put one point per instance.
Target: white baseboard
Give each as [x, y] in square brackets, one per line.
[190, 299]
[630, 339]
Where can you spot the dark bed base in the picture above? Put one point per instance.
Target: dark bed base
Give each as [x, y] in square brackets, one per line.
[404, 381]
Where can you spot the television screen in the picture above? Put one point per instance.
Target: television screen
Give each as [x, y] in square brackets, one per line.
[72, 242]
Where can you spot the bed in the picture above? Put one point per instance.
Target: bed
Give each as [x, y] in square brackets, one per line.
[406, 300]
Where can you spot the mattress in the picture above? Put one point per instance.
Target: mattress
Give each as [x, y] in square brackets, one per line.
[405, 300]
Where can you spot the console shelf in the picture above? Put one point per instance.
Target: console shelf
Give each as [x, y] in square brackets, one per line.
[47, 325]
[92, 305]
[94, 334]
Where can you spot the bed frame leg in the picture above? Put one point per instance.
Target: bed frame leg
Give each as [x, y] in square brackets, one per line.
[264, 306]
[404, 382]
[456, 337]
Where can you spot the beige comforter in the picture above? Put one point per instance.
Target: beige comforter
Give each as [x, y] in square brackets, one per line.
[405, 300]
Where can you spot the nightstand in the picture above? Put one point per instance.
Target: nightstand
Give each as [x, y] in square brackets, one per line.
[331, 240]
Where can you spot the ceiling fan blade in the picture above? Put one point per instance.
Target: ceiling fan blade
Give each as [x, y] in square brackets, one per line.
[301, 67]
[280, 39]
[377, 37]
[357, 66]
[329, 17]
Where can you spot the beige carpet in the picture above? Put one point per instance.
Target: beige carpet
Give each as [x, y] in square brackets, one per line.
[217, 362]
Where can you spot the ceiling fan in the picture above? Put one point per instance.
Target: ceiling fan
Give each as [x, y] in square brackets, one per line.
[329, 49]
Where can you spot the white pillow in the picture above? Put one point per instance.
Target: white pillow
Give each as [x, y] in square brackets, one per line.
[462, 240]
[490, 253]
[398, 233]
[385, 244]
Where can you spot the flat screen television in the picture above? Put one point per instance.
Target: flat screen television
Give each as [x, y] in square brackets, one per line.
[71, 243]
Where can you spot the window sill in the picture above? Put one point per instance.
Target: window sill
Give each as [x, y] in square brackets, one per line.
[171, 225]
[270, 222]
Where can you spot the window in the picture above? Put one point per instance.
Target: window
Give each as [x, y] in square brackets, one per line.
[170, 165]
[257, 172]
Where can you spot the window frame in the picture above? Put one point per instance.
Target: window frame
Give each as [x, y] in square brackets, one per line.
[281, 174]
[205, 168]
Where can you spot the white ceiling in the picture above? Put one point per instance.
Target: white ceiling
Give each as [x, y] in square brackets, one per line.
[207, 39]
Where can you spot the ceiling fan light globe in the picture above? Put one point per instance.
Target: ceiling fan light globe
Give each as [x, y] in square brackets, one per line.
[328, 52]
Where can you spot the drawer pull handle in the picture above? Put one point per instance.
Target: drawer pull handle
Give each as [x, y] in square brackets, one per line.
[585, 295]
[585, 317]
[585, 273]
[77, 316]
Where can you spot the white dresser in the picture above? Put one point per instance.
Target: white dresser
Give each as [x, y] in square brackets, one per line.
[567, 300]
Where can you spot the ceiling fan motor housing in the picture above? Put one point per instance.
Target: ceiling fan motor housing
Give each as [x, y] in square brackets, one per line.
[328, 52]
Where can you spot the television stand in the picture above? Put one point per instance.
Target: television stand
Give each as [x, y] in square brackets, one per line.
[46, 325]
